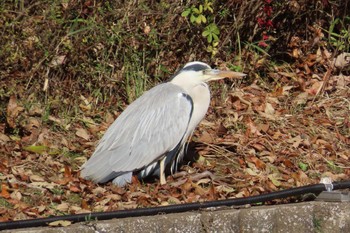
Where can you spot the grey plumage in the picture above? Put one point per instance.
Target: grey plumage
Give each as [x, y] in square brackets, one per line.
[153, 128]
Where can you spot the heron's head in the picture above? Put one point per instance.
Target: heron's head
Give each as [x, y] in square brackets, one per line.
[197, 72]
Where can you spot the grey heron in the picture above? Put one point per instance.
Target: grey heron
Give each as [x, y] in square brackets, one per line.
[151, 133]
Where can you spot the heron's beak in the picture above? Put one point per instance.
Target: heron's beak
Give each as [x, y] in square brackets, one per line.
[220, 74]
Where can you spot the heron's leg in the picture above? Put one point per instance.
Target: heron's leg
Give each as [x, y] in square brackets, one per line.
[161, 171]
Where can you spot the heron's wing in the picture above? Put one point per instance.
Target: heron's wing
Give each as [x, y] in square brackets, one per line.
[148, 128]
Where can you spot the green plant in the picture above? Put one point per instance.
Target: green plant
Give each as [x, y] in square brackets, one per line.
[57, 191]
[74, 198]
[89, 218]
[136, 79]
[317, 224]
[256, 48]
[203, 14]
[335, 168]
[46, 113]
[303, 166]
[5, 204]
[237, 68]
[339, 40]
[212, 32]
[197, 13]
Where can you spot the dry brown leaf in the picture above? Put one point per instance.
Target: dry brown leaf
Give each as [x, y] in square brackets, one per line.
[67, 171]
[342, 60]
[44, 185]
[203, 181]
[288, 163]
[86, 105]
[4, 193]
[30, 213]
[82, 133]
[342, 81]
[173, 200]
[41, 208]
[286, 89]
[57, 60]
[146, 29]
[300, 177]
[206, 138]
[288, 74]
[74, 189]
[4, 138]
[60, 223]
[13, 111]
[251, 172]
[84, 205]
[263, 127]
[301, 98]
[36, 178]
[224, 188]
[56, 120]
[114, 197]
[32, 124]
[199, 190]
[35, 110]
[98, 190]
[76, 209]
[334, 177]
[63, 207]
[221, 131]
[315, 88]
[258, 146]
[269, 109]
[274, 179]
[258, 163]
[16, 195]
[252, 128]
[295, 141]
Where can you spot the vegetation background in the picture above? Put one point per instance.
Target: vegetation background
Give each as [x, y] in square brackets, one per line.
[68, 68]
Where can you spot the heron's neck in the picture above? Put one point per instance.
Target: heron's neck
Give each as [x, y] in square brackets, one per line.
[186, 82]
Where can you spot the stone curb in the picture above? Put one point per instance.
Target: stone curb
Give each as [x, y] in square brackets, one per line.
[332, 217]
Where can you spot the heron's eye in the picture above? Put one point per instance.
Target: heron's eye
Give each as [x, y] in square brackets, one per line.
[206, 72]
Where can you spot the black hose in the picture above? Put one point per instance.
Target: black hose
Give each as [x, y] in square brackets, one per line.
[315, 189]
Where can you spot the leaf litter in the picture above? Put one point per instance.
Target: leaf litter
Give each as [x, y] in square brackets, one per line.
[257, 139]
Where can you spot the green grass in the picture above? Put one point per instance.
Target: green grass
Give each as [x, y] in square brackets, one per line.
[33, 197]
[317, 224]
[135, 80]
[74, 199]
[5, 204]
[57, 191]
[338, 34]
[334, 167]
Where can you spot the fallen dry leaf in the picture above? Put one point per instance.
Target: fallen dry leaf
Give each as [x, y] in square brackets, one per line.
[13, 110]
[60, 223]
[80, 132]
[4, 193]
[301, 98]
[63, 207]
[253, 129]
[4, 138]
[47, 185]
[58, 60]
[342, 60]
